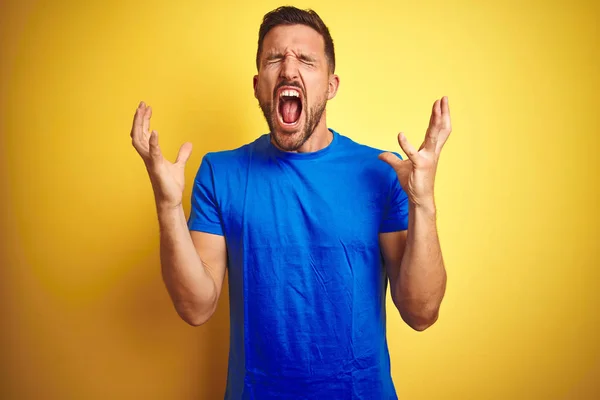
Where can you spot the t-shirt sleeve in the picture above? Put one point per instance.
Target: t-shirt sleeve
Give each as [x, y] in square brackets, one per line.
[395, 215]
[205, 214]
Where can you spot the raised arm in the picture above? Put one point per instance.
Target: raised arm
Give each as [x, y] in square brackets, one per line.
[413, 258]
[193, 264]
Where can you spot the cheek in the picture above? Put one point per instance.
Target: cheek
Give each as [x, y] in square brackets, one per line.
[318, 93]
[265, 82]
[261, 94]
[318, 86]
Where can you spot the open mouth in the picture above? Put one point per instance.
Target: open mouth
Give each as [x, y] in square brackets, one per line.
[289, 106]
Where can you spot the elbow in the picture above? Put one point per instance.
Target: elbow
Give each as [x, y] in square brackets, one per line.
[195, 320]
[194, 316]
[421, 323]
[419, 318]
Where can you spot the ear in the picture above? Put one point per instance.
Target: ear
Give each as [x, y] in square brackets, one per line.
[255, 83]
[334, 84]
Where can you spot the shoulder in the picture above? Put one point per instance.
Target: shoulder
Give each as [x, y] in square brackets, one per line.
[359, 149]
[233, 158]
[366, 157]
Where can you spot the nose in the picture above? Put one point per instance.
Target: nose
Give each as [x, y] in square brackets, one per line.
[289, 69]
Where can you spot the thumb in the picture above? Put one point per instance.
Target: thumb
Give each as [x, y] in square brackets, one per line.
[184, 153]
[391, 159]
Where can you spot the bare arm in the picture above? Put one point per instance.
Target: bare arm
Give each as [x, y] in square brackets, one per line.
[415, 266]
[413, 258]
[193, 264]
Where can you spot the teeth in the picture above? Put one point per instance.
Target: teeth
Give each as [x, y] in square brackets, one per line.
[290, 93]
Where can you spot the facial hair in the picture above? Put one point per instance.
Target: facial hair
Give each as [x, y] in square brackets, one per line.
[311, 119]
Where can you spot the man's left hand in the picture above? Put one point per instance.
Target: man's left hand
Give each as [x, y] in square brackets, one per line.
[417, 173]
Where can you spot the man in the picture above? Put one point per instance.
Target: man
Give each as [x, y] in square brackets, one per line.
[310, 226]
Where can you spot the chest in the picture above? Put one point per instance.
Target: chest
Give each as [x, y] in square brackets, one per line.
[282, 205]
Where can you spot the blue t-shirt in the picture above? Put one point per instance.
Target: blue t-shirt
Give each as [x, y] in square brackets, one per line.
[307, 283]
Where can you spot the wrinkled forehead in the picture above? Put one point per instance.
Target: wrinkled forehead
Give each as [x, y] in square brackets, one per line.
[297, 39]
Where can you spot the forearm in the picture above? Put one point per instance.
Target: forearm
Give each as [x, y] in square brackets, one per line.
[422, 280]
[189, 284]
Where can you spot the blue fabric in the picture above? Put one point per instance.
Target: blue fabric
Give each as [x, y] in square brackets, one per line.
[307, 283]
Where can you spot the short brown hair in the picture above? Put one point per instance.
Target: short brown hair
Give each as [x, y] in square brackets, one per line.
[288, 15]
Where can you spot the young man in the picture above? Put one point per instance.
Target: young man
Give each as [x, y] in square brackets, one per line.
[310, 226]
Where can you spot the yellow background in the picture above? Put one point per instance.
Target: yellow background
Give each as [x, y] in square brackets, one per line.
[84, 312]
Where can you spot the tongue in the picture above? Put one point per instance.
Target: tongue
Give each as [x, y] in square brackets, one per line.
[290, 111]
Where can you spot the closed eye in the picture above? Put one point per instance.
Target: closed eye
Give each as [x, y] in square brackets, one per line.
[307, 60]
[274, 58]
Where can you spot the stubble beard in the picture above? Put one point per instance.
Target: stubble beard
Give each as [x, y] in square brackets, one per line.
[311, 120]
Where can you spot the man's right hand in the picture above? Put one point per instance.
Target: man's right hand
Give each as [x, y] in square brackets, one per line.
[167, 178]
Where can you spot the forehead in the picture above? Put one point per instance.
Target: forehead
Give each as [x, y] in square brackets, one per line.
[296, 38]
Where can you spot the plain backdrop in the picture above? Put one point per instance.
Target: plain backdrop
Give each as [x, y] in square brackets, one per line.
[84, 311]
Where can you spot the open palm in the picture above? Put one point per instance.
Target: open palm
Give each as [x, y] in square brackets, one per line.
[168, 179]
[417, 173]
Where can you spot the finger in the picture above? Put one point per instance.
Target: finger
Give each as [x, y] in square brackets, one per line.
[425, 141]
[137, 121]
[155, 153]
[446, 121]
[445, 124]
[184, 153]
[408, 148]
[445, 107]
[146, 120]
[431, 136]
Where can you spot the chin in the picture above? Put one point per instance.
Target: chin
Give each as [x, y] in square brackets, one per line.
[289, 140]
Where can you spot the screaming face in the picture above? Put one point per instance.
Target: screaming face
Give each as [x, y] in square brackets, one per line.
[294, 84]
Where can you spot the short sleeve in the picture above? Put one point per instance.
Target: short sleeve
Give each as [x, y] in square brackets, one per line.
[204, 214]
[395, 213]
